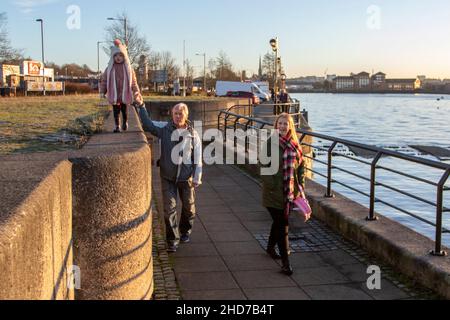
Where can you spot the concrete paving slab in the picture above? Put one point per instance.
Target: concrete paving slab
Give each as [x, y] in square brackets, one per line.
[262, 279]
[258, 226]
[336, 292]
[239, 248]
[319, 276]
[199, 264]
[388, 291]
[206, 281]
[214, 295]
[218, 218]
[276, 294]
[355, 272]
[214, 227]
[242, 207]
[200, 237]
[196, 250]
[338, 257]
[307, 261]
[254, 216]
[213, 210]
[251, 262]
[230, 236]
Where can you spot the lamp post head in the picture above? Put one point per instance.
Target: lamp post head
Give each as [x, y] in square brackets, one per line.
[39, 20]
[117, 19]
[274, 44]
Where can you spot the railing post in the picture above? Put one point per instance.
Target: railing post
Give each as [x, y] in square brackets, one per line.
[235, 129]
[247, 142]
[439, 210]
[373, 183]
[330, 167]
[225, 128]
[306, 115]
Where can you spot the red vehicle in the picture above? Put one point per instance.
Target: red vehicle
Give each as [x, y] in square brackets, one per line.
[243, 94]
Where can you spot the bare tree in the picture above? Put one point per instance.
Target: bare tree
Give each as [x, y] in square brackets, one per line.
[137, 43]
[189, 72]
[224, 68]
[7, 53]
[268, 66]
[154, 61]
[168, 63]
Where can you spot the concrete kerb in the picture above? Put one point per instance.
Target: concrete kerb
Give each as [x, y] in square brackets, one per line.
[110, 182]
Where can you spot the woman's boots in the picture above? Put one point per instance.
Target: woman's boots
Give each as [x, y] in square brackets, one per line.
[272, 253]
[286, 268]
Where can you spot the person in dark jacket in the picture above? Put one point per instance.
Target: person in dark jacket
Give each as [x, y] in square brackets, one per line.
[181, 175]
[280, 189]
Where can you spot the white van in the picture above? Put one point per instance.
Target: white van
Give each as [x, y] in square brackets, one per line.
[264, 86]
[223, 87]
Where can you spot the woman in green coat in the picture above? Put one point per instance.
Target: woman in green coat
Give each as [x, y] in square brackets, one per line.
[280, 189]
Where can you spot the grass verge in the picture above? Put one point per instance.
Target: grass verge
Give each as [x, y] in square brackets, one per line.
[43, 124]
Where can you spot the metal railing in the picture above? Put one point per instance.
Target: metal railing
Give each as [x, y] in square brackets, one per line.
[294, 109]
[229, 120]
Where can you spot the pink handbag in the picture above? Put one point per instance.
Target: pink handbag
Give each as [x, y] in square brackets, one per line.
[301, 206]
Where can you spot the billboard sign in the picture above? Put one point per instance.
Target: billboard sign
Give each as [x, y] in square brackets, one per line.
[33, 68]
[7, 71]
[39, 86]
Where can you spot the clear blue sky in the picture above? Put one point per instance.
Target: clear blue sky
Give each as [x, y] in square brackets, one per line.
[412, 38]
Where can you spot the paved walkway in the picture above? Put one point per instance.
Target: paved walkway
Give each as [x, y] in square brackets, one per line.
[226, 257]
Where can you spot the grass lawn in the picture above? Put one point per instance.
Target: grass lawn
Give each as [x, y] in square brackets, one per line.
[42, 124]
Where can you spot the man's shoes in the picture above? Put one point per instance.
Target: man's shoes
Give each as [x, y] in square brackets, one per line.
[273, 254]
[172, 248]
[117, 130]
[125, 126]
[185, 238]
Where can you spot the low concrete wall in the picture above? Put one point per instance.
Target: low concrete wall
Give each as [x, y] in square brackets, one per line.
[206, 111]
[35, 230]
[112, 221]
[89, 208]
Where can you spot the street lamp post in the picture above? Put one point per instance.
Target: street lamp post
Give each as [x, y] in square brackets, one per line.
[274, 43]
[184, 68]
[204, 70]
[98, 55]
[43, 56]
[98, 62]
[125, 22]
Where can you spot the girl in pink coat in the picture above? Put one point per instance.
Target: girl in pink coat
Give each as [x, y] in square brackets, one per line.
[119, 84]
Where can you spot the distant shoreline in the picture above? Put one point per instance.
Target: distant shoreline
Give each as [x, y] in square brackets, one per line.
[369, 92]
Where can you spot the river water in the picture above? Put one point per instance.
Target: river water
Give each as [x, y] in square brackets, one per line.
[390, 121]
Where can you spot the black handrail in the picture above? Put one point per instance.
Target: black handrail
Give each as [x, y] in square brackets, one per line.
[235, 119]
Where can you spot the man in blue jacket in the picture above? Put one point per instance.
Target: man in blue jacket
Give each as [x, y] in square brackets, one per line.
[180, 169]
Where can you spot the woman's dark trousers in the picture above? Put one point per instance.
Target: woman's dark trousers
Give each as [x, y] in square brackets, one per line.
[279, 235]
